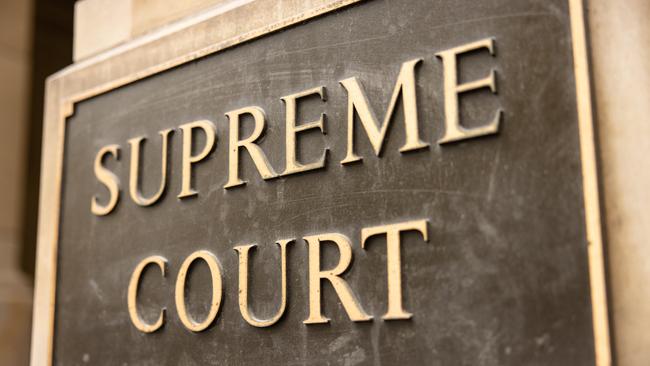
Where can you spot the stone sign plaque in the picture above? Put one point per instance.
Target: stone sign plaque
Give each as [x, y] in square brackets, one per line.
[327, 183]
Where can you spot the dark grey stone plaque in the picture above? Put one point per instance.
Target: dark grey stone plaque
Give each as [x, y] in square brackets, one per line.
[503, 279]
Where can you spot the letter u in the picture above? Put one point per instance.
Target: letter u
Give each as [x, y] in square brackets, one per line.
[134, 173]
[243, 251]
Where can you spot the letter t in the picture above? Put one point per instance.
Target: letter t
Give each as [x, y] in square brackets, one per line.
[393, 261]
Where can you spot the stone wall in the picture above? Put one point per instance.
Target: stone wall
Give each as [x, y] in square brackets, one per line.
[620, 43]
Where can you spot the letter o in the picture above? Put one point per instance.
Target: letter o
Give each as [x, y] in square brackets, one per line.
[215, 271]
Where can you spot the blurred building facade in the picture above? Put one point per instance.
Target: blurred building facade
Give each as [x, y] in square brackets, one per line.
[35, 41]
[15, 75]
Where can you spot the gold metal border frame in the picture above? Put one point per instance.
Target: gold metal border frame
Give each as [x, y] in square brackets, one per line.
[210, 32]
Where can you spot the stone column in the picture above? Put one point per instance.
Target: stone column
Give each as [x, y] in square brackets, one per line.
[102, 24]
[620, 50]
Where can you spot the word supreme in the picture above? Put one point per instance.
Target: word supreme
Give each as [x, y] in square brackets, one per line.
[343, 290]
[358, 106]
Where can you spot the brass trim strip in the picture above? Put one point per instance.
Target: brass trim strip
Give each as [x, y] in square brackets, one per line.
[164, 50]
[597, 277]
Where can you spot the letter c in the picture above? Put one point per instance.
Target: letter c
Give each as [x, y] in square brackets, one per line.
[137, 321]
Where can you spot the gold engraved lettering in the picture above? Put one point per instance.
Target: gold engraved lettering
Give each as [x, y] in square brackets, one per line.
[243, 251]
[134, 190]
[261, 162]
[376, 133]
[343, 290]
[109, 180]
[454, 131]
[132, 296]
[393, 262]
[215, 271]
[188, 159]
[292, 164]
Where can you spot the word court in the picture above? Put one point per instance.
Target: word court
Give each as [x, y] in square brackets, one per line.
[345, 293]
[358, 110]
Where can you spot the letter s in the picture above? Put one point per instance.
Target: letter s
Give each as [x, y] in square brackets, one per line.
[109, 180]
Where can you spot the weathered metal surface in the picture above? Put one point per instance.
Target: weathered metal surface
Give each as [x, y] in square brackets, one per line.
[502, 280]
